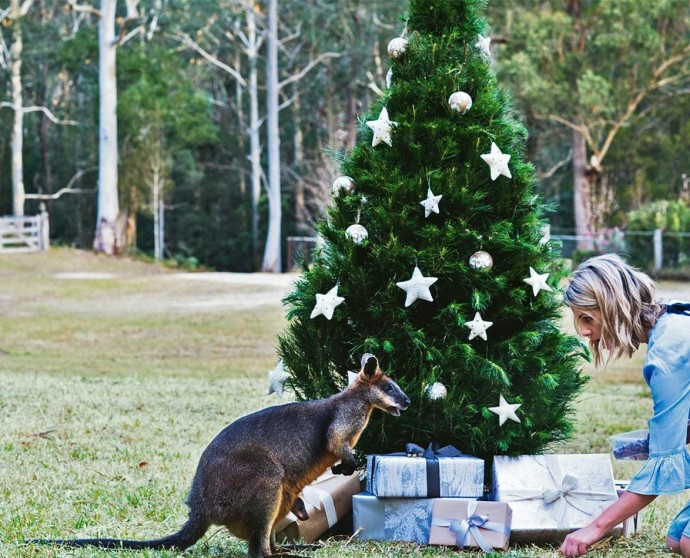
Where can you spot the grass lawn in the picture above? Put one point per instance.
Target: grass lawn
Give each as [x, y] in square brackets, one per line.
[115, 374]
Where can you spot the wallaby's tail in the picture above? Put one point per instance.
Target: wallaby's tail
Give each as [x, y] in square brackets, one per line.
[190, 532]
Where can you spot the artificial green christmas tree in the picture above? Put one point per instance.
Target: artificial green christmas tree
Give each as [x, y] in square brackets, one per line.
[434, 259]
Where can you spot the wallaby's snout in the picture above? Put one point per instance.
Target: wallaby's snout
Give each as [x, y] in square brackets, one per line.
[400, 401]
[387, 394]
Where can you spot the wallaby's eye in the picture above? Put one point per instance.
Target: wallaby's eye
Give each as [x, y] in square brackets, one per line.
[388, 388]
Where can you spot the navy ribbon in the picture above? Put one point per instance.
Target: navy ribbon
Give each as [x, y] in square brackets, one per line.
[678, 308]
[433, 473]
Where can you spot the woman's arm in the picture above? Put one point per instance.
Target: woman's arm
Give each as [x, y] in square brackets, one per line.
[577, 543]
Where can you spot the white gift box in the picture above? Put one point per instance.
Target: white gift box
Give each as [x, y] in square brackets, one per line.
[552, 495]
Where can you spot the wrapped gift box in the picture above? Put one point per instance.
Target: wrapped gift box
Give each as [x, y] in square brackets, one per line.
[434, 475]
[552, 495]
[327, 500]
[393, 519]
[465, 523]
[632, 445]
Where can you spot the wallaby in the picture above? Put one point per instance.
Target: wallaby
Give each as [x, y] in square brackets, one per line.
[250, 475]
[300, 510]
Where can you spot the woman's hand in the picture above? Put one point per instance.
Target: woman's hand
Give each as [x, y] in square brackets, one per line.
[578, 543]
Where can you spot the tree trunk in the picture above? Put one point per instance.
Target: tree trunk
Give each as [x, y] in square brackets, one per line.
[298, 140]
[581, 193]
[272, 255]
[18, 191]
[109, 236]
[254, 141]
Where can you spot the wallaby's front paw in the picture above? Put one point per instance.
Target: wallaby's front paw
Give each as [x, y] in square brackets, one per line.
[344, 468]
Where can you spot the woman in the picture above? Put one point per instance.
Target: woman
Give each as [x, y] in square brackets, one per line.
[614, 307]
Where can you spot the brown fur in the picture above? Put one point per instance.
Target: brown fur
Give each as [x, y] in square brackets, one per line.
[250, 475]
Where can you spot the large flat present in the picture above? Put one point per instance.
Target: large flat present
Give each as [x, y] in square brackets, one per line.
[327, 500]
[552, 495]
[465, 524]
[393, 519]
[444, 473]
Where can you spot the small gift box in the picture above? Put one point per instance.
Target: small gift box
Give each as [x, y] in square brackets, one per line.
[393, 519]
[465, 524]
[633, 446]
[552, 495]
[430, 473]
[327, 500]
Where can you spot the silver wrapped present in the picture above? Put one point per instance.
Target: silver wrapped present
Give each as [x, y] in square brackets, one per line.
[434, 473]
[393, 519]
[552, 495]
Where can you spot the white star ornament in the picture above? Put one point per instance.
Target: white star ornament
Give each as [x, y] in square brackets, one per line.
[483, 45]
[382, 128]
[326, 303]
[505, 410]
[537, 281]
[497, 161]
[276, 379]
[417, 287]
[430, 203]
[478, 327]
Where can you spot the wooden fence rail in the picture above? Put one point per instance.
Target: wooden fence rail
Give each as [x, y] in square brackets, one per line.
[24, 234]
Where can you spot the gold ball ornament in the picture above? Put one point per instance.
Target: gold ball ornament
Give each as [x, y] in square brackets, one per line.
[396, 48]
[460, 102]
[357, 233]
[481, 261]
[342, 184]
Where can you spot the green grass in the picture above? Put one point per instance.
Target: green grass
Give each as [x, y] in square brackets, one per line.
[111, 388]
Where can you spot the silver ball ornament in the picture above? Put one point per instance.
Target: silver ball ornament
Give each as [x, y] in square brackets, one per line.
[343, 184]
[396, 48]
[357, 233]
[436, 391]
[460, 102]
[481, 261]
[389, 78]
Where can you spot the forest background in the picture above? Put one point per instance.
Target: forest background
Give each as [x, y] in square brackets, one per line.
[603, 87]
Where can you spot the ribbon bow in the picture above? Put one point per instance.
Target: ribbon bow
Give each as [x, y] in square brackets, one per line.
[433, 451]
[678, 308]
[467, 529]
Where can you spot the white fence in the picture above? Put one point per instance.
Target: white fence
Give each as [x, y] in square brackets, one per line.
[653, 250]
[648, 249]
[24, 234]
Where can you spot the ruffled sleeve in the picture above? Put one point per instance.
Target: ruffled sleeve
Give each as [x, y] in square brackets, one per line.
[663, 474]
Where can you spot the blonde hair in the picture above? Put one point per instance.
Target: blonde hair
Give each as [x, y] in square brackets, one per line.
[624, 296]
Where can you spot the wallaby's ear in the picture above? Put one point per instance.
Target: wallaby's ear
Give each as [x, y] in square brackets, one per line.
[369, 364]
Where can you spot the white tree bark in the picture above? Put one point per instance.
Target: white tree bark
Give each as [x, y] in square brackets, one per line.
[252, 51]
[108, 236]
[18, 191]
[272, 250]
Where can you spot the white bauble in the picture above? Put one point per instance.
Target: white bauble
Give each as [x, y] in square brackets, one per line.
[481, 261]
[460, 102]
[436, 391]
[357, 233]
[396, 48]
[342, 184]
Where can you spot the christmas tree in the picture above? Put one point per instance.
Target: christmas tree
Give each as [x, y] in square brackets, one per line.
[434, 259]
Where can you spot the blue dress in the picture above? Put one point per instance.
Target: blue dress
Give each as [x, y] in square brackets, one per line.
[667, 372]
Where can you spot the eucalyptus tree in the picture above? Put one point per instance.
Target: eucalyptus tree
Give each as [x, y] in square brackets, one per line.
[593, 69]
